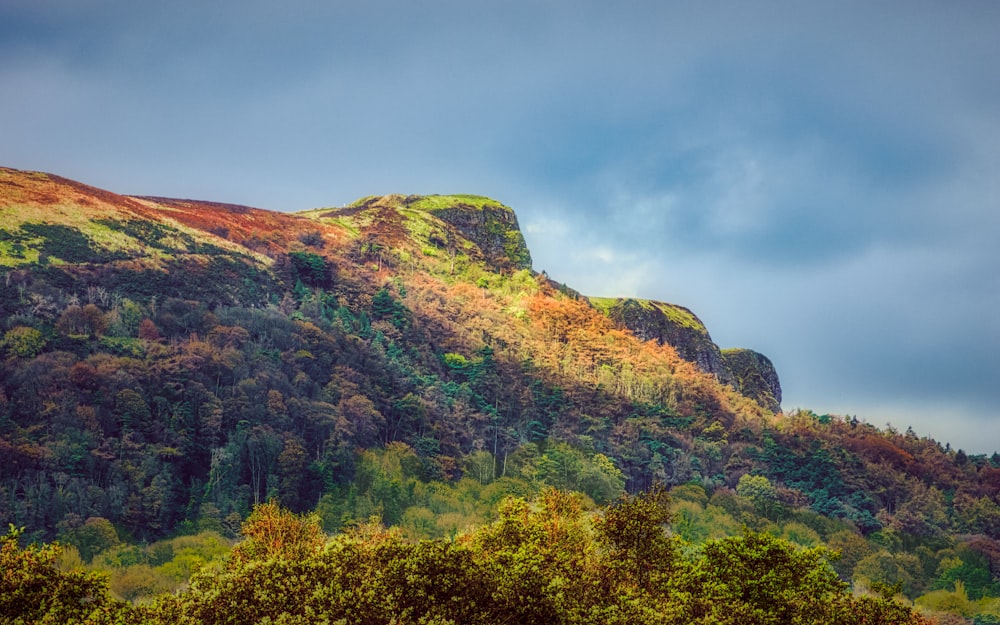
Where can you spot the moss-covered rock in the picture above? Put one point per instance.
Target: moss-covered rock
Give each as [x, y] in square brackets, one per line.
[668, 324]
[750, 373]
[754, 376]
[490, 225]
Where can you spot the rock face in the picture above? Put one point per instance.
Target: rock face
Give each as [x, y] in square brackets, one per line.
[667, 324]
[487, 223]
[750, 373]
[754, 376]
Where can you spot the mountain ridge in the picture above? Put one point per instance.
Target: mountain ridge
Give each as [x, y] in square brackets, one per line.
[490, 225]
[166, 366]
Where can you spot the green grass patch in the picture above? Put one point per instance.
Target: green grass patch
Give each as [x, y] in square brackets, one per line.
[160, 236]
[15, 249]
[676, 314]
[679, 315]
[420, 225]
[362, 201]
[346, 223]
[62, 242]
[329, 216]
[604, 304]
[123, 346]
[441, 202]
[149, 232]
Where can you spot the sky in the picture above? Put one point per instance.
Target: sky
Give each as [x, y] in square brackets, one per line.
[817, 181]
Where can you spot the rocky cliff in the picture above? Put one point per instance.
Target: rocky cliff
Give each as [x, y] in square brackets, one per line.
[750, 373]
[485, 222]
[753, 375]
[667, 324]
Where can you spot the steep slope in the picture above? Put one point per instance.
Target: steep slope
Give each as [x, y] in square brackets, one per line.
[753, 375]
[667, 324]
[169, 363]
[48, 219]
[460, 228]
[490, 225]
[60, 234]
[750, 373]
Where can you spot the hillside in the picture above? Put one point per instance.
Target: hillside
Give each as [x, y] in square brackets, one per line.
[168, 364]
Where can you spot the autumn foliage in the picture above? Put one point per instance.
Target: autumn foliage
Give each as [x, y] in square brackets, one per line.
[168, 367]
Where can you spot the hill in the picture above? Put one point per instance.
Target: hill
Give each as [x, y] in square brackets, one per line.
[168, 364]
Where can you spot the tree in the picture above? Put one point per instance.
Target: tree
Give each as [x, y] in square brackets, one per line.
[82, 321]
[310, 268]
[481, 466]
[23, 342]
[923, 514]
[148, 330]
[759, 490]
[271, 532]
[364, 418]
[132, 409]
[535, 558]
[34, 591]
[633, 531]
[884, 568]
[292, 463]
[756, 578]
[94, 536]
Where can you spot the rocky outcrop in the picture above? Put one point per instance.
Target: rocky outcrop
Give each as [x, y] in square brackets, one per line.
[750, 373]
[667, 324]
[754, 376]
[490, 225]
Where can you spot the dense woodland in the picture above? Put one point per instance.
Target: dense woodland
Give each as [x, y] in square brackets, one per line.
[170, 366]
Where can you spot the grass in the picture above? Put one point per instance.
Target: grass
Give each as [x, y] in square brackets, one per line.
[441, 202]
[676, 314]
[604, 304]
[360, 201]
[75, 235]
[680, 315]
[421, 226]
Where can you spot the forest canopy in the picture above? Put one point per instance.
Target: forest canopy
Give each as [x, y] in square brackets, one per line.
[545, 561]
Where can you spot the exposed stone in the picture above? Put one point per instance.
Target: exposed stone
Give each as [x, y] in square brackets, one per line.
[491, 226]
[667, 324]
[750, 373]
[754, 376]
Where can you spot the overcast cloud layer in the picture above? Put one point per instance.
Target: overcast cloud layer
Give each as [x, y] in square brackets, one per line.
[817, 181]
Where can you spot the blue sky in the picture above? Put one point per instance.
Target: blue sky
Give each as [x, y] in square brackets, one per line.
[817, 181]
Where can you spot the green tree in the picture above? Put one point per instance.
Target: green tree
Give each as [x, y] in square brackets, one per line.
[601, 480]
[761, 493]
[481, 466]
[33, 591]
[852, 548]
[633, 531]
[97, 534]
[132, 409]
[534, 558]
[310, 268]
[23, 342]
[756, 578]
[889, 569]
